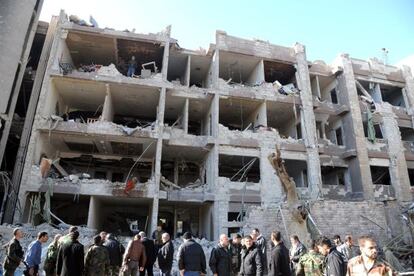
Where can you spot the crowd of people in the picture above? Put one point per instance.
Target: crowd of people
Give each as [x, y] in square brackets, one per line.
[245, 256]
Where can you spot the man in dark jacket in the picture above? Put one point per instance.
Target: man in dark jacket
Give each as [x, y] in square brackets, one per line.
[14, 253]
[166, 255]
[334, 262]
[149, 252]
[115, 250]
[70, 257]
[220, 258]
[191, 258]
[261, 245]
[235, 249]
[279, 257]
[251, 259]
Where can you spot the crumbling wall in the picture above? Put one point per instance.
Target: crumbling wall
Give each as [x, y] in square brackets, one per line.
[331, 217]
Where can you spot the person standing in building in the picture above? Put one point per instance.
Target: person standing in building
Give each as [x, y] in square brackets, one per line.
[166, 255]
[34, 254]
[134, 258]
[261, 245]
[132, 66]
[51, 256]
[296, 251]
[235, 250]
[70, 259]
[279, 264]
[220, 258]
[311, 264]
[14, 253]
[97, 259]
[346, 248]
[334, 262]
[251, 259]
[150, 252]
[191, 258]
[367, 263]
[115, 251]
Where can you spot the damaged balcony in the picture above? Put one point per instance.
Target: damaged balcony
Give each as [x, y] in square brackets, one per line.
[93, 56]
[98, 108]
[187, 118]
[239, 169]
[184, 173]
[93, 166]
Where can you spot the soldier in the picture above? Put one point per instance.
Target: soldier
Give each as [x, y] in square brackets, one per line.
[14, 253]
[311, 264]
[51, 257]
[97, 259]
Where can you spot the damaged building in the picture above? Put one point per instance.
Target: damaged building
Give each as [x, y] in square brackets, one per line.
[185, 140]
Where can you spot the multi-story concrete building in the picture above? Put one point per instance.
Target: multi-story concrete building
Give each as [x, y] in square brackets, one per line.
[196, 128]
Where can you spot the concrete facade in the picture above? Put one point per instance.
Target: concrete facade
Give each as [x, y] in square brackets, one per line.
[197, 131]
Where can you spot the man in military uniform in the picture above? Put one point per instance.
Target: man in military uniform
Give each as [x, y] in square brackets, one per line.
[14, 253]
[311, 264]
[51, 256]
[97, 259]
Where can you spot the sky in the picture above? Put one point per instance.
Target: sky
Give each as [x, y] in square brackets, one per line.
[327, 28]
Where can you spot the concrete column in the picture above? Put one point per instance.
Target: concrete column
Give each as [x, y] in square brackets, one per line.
[166, 55]
[108, 107]
[409, 88]
[398, 166]
[184, 122]
[187, 72]
[158, 153]
[214, 109]
[93, 213]
[355, 141]
[308, 123]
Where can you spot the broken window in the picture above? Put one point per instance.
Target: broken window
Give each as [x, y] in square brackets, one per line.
[177, 68]
[200, 72]
[377, 129]
[411, 176]
[297, 169]
[407, 134]
[333, 175]
[283, 118]
[278, 71]
[233, 230]
[182, 167]
[380, 175]
[240, 114]
[76, 101]
[239, 168]
[134, 107]
[325, 88]
[240, 69]
[339, 137]
[68, 210]
[392, 95]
